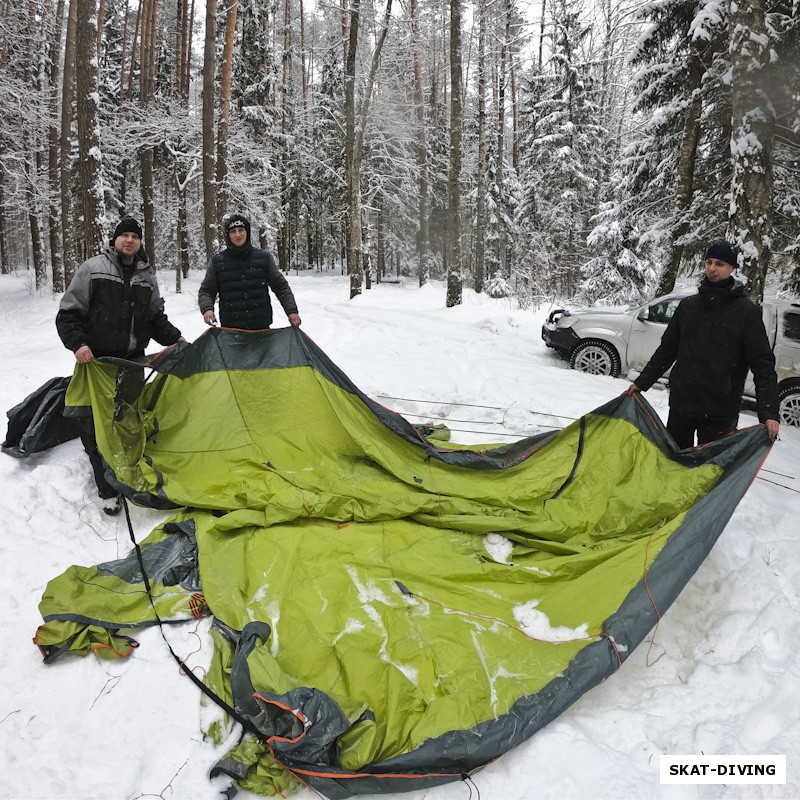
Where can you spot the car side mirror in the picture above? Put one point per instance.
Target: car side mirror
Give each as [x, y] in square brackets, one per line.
[644, 314]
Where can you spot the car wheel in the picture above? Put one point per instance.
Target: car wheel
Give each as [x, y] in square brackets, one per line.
[789, 404]
[596, 358]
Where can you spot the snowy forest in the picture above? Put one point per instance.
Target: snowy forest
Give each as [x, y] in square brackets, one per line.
[586, 149]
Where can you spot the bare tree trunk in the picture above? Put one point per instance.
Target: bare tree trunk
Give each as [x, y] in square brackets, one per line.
[133, 50]
[353, 167]
[54, 216]
[149, 10]
[380, 261]
[423, 249]
[188, 54]
[501, 130]
[124, 88]
[480, 200]
[226, 69]
[303, 68]
[751, 143]
[285, 235]
[101, 16]
[37, 254]
[182, 230]
[454, 173]
[34, 148]
[209, 150]
[684, 188]
[5, 13]
[515, 153]
[541, 34]
[345, 31]
[354, 255]
[182, 35]
[365, 265]
[5, 267]
[65, 155]
[88, 127]
[179, 173]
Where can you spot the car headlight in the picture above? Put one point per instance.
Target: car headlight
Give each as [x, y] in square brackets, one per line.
[556, 316]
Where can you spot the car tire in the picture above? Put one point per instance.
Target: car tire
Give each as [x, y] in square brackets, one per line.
[789, 404]
[596, 357]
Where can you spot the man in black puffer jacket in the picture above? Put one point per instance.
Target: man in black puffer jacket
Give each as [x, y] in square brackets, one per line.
[242, 276]
[113, 307]
[713, 338]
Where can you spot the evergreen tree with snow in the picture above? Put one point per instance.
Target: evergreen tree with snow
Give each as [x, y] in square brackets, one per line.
[684, 174]
[559, 170]
[615, 274]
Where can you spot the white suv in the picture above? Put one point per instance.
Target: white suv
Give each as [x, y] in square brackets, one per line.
[619, 341]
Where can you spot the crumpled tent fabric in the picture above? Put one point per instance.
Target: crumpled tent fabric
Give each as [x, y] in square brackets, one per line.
[360, 621]
[37, 423]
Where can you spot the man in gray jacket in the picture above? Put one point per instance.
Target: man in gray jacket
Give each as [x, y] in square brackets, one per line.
[113, 307]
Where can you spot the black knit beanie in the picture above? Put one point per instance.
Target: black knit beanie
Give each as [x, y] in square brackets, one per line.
[724, 251]
[127, 225]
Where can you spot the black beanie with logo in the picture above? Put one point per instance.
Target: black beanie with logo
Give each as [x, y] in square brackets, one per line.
[237, 221]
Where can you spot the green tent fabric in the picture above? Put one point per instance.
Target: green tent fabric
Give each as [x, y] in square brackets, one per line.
[360, 621]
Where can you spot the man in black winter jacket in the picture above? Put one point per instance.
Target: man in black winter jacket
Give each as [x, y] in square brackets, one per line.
[113, 307]
[713, 339]
[242, 276]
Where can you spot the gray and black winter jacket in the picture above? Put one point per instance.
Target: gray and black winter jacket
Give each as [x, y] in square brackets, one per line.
[114, 309]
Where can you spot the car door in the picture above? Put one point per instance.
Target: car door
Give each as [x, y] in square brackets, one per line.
[648, 328]
[772, 322]
[787, 348]
[783, 330]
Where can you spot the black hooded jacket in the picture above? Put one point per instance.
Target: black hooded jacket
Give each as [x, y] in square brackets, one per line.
[242, 277]
[713, 338]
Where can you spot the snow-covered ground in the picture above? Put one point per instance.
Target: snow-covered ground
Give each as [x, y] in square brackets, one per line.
[722, 676]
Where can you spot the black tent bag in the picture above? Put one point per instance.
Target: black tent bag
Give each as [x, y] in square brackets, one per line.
[38, 422]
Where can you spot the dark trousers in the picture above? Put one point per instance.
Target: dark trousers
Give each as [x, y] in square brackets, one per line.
[86, 432]
[684, 426]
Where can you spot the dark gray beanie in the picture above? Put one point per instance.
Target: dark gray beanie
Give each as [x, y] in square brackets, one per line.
[724, 251]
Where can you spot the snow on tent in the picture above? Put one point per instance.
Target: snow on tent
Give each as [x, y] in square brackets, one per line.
[360, 624]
